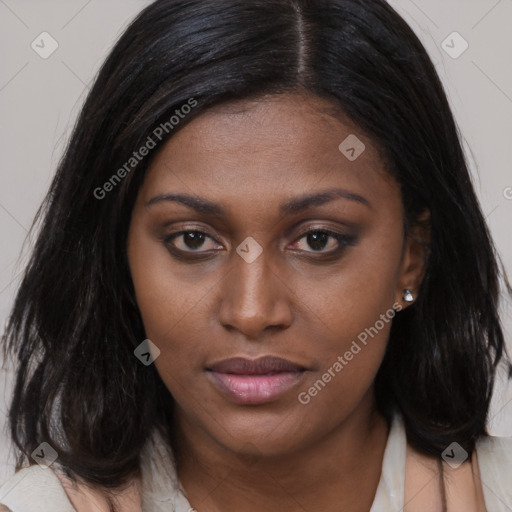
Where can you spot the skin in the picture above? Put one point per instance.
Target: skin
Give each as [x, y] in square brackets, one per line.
[292, 301]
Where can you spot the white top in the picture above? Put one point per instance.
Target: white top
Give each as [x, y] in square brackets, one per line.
[35, 488]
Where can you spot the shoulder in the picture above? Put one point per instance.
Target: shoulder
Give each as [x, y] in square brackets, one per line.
[495, 465]
[483, 481]
[33, 488]
[499, 449]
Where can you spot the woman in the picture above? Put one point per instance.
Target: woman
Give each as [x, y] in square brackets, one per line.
[263, 280]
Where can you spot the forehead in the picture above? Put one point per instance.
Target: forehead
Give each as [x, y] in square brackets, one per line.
[269, 150]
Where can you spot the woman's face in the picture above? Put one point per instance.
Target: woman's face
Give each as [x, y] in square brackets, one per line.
[262, 182]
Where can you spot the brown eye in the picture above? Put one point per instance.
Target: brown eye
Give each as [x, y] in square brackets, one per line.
[320, 239]
[189, 241]
[317, 240]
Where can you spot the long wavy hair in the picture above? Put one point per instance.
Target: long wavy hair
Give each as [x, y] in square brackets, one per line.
[75, 322]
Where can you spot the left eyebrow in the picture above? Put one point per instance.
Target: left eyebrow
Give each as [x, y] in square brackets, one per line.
[292, 206]
[305, 202]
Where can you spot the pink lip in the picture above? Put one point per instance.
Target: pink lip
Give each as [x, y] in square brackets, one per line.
[254, 381]
[254, 389]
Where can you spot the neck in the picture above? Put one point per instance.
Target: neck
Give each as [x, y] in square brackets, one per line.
[339, 471]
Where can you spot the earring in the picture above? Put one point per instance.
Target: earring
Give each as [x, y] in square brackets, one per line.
[407, 297]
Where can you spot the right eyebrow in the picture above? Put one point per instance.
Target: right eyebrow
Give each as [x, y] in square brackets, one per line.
[200, 204]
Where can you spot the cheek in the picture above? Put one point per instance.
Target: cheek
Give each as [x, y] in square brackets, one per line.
[351, 299]
[171, 322]
[172, 306]
[353, 315]
[168, 294]
[350, 353]
[170, 319]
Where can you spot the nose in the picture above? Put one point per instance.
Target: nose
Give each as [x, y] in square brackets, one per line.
[254, 298]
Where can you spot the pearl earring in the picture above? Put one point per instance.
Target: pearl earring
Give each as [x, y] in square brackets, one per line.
[407, 297]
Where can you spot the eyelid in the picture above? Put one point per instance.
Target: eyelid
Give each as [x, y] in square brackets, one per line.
[314, 229]
[345, 230]
[177, 234]
[342, 239]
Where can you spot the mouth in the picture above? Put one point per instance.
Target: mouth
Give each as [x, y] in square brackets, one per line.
[255, 381]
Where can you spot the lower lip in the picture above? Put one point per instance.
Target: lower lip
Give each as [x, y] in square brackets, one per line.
[255, 389]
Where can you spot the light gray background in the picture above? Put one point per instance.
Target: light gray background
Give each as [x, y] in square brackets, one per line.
[40, 98]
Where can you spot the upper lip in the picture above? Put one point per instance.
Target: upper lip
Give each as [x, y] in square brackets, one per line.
[260, 366]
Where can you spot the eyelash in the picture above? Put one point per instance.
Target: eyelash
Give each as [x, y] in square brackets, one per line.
[342, 239]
